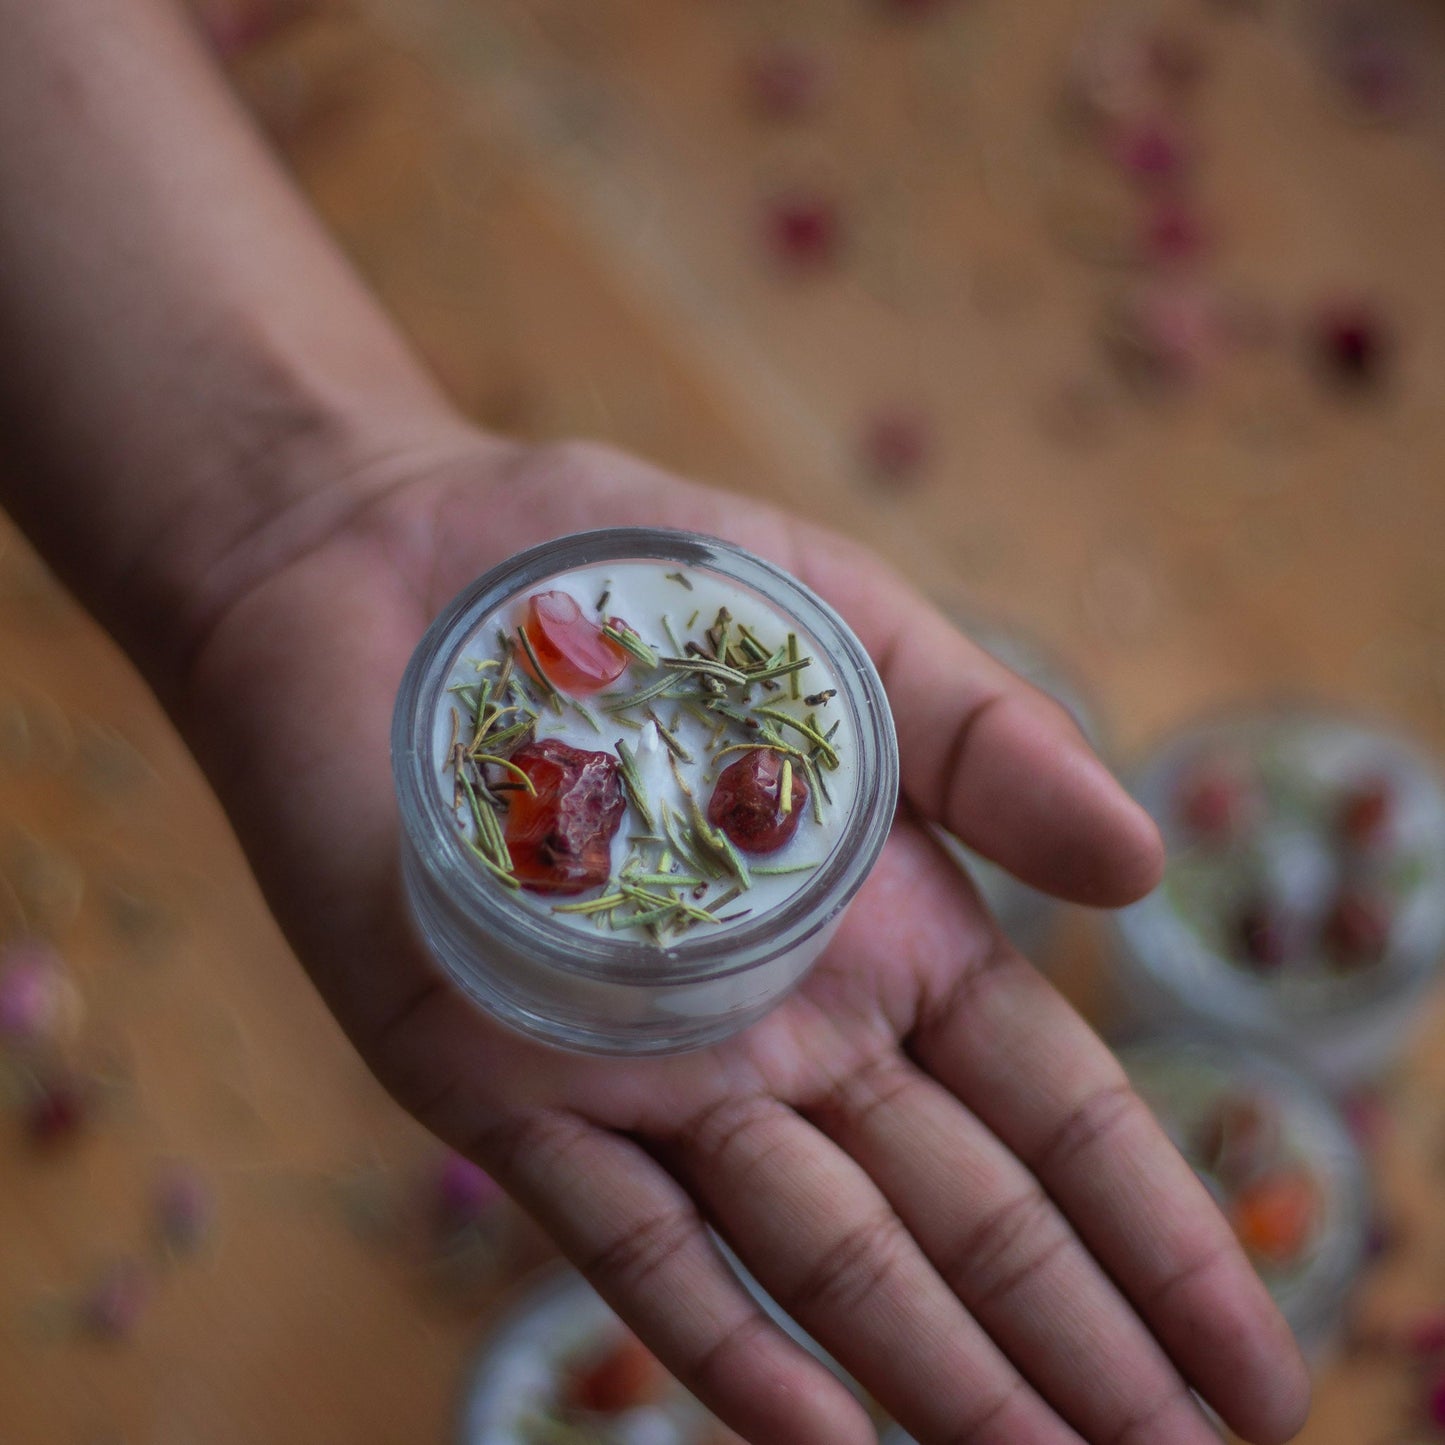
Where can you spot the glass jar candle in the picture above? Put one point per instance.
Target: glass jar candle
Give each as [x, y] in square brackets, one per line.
[1280, 1162]
[561, 1366]
[1304, 901]
[641, 775]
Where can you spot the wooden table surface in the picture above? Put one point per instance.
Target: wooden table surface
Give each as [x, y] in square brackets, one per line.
[569, 208]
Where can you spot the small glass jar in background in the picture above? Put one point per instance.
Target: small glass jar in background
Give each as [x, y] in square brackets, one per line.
[560, 1361]
[612, 994]
[1027, 916]
[1304, 902]
[1277, 1155]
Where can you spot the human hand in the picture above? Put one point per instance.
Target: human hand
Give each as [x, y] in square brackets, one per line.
[923, 1153]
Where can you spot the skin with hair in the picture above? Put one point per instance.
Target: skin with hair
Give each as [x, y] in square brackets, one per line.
[924, 1154]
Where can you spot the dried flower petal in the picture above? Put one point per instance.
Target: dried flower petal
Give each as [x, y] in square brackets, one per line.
[464, 1191]
[784, 81]
[113, 1305]
[897, 444]
[1173, 233]
[184, 1208]
[1151, 152]
[57, 1112]
[1352, 346]
[803, 230]
[1426, 1335]
[33, 993]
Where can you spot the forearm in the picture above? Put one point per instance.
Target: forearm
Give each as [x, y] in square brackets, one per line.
[187, 357]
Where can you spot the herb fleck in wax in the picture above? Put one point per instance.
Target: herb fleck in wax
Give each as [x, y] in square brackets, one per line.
[702, 782]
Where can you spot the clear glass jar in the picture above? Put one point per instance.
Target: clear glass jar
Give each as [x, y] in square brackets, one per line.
[513, 1393]
[1025, 914]
[1183, 1076]
[1185, 951]
[614, 994]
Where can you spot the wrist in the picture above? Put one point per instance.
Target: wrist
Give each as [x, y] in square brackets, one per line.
[306, 468]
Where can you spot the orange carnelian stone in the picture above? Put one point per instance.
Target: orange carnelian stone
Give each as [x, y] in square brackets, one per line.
[1275, 1216]
[561, 839]
[620, 1378]
[572, 649]
[746, 802]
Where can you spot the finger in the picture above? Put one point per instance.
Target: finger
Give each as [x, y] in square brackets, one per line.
[637, 1237]
[1012, 1050]
[821, 1238]
[985, 754]
[1008, 1253]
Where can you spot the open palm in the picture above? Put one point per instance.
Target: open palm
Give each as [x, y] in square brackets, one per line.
[922, 1153]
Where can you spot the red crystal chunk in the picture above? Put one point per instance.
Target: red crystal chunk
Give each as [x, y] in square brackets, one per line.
[1264, 936]
[1215, 801]
[746, 804]
[622, 1377]
[1357, 931]
[1366, 813]
[561, 839]
[572, 649]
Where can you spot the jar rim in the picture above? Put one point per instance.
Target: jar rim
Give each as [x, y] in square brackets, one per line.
[439, 848]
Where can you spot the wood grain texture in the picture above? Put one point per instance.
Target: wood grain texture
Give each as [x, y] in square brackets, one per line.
[564, 206]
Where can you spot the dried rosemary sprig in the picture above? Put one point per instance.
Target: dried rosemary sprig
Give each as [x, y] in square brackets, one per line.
[706, 667]
[824, 748]
[490, 841]
[624, 702]
[680, 871]
[631, 643]
[669, 738]
[497, 762]
[632, 782]
[553, 697]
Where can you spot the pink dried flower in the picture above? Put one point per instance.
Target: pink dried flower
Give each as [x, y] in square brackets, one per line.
[1435, 1403]
[784, 81]
[1173, 233]
[464, 1191]
[1426, 1336]
[113, 1305]
[803, 230]
[1352, 345]
[896, 445]
[184, 1208]
[1151, 152]
[57, 1111]
[32, 992]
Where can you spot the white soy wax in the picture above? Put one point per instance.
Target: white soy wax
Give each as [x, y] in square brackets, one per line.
[676, 980]
[670, 607]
